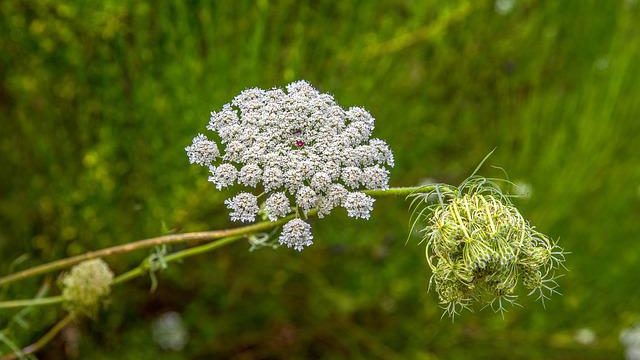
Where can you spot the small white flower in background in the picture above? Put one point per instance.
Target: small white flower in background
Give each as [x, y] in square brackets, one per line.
[169, 331]
[300, 150]
[630, 338]
[585, 336]
[503, 7]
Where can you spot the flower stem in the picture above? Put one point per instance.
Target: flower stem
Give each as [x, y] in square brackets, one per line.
[400, 191]
[196, 250]
[44, 340]
[181, 238]
[31, 302]
[138, 271]
[141, 244]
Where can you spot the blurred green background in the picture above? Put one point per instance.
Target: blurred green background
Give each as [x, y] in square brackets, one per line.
[99, 99]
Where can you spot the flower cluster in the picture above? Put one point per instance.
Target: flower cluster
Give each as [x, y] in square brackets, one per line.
[479, 247]
[630, 338]
[86, 285]
[300, 150]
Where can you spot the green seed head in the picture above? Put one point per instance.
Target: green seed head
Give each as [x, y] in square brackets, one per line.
[479, 247]
[86, 285]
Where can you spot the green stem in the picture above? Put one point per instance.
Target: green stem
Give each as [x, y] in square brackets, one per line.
[182, 238]
[44, 340]
[400, 191]
[141, 244]
[196, 250]
[30, 302]
[138, 271]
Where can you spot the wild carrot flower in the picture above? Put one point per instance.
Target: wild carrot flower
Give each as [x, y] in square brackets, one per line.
[297, 143]
[296, 234]
[277, 206]
[244, 207]
[479, 247]
[86, 285]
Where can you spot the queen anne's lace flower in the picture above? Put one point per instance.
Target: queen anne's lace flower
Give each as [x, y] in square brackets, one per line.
[249, 175]
[358, 205]
[202, 151]
[296, 234]
[243, 206]
[375, 177]
[223, 176]
[277, 206]
[86, 285]
[297, 143]
[306, 198]
[480, 247]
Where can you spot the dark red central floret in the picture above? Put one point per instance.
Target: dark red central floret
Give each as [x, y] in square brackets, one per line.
[299, 143]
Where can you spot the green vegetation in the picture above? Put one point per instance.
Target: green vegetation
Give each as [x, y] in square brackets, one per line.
[99, 99]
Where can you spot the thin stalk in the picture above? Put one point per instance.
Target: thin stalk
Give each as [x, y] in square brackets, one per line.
[44, 340]
[137, 245]
[138, 271]
[400, 191]
[181, 238]
[196, 250]
[31, 302]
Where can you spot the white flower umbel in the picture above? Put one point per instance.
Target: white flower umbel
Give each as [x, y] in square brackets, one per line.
[202, 151]
[249, 175]
[375, 177]
[358, 205]
[277, 206]
[223, 176]
[243, 206]
[306, 198]
[296, 234]
[298, 143]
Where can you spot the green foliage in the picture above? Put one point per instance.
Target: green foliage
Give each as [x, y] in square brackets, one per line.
[99, 99]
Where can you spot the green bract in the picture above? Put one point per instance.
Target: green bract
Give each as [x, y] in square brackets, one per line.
[479, 247]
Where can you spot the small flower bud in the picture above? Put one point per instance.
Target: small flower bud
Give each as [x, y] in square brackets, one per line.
[86, 285]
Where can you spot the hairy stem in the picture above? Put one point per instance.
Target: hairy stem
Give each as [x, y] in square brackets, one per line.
[181, 238]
